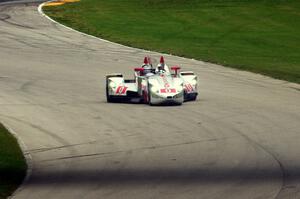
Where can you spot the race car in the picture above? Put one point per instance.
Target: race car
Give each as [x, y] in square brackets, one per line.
[153, 86]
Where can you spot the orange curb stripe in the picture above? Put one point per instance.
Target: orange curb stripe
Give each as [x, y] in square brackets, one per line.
[70, 1]
[54, 4]
[60, 2]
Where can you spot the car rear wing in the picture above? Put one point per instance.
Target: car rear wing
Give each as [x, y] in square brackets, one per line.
[114, 75]
[189, 77]
[186, 73]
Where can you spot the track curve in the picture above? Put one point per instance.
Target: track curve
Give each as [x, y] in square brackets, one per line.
[240, 140]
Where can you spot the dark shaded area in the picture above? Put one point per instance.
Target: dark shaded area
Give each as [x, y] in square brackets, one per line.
[6, 0]
[10, 178]
[162, 176]
[12, 163]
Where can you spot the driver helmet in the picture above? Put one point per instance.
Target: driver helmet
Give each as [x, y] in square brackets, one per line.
[161, 67]
[147, 69]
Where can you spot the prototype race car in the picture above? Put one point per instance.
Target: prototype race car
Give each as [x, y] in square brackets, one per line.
[153, 85]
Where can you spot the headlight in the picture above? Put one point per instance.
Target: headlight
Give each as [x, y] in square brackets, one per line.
[112, 84]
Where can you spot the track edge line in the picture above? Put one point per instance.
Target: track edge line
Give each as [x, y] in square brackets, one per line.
[40, 10]
[27, 156]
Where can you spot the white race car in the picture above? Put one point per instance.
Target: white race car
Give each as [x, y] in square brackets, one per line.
[153, 86]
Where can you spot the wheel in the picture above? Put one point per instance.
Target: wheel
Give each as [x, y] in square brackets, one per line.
[150, 100]
[190, 97]
[149, 96]
[145, 97]
[194, 97]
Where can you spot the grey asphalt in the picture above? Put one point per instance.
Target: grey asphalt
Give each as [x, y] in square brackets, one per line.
[239, 140]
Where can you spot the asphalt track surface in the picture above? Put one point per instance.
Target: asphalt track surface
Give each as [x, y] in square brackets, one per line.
[239, 140]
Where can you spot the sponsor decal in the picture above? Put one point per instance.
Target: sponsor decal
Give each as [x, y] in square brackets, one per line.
[168, 90]
[166, 83]
[121, 90]
[188, 88]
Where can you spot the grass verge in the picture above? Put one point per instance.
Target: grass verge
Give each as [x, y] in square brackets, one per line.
[12, 164]
[258, 36]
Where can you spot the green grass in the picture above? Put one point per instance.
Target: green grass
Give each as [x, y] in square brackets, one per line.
[256, 35]
[12, 164]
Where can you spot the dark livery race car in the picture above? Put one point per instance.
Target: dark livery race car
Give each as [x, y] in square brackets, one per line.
[153, 86]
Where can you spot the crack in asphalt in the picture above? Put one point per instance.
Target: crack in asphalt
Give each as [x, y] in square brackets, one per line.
[40, 150]
[139, 149]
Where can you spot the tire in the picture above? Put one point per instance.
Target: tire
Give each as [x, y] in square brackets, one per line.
[149, 100]
[145, 98]
[194, 98]
[190, 97]
[149, 97]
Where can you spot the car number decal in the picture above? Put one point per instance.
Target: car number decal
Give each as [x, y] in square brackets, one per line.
[188, 87]
[121, 90]
[167, 90]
